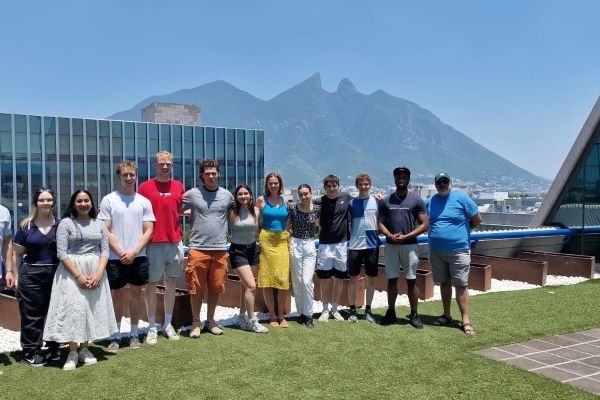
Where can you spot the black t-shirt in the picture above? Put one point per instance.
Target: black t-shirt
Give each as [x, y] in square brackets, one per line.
[401, 213]
[39, 248]
[334, 218]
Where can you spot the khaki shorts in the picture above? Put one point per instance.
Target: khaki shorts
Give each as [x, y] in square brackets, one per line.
[451, 266]
[164, 259]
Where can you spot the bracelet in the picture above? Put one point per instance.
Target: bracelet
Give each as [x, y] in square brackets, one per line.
[8, 270]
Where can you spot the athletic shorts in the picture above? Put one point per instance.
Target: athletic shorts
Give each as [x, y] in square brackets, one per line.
[405, 256]
[243, 254]
[120, 274]
[367, 257]
[451, 266]
[332, 260]
[165, 258]
[206, 269]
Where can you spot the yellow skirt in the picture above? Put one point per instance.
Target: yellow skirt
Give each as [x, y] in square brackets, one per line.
[274, 265]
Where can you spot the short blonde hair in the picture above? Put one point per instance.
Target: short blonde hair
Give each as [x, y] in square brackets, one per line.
[165, 154]
[126, 164]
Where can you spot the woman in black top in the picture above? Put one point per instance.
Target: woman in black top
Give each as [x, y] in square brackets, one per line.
[35, 253]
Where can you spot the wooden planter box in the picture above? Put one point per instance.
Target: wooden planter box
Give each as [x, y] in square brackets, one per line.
[359, 300]
[10, 317]
[563, 264]
[516, 269]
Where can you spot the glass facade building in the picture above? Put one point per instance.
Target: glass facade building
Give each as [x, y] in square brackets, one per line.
[71, 153]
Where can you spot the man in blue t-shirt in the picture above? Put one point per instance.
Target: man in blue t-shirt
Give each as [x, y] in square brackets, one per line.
[452, 215]
[402, 218]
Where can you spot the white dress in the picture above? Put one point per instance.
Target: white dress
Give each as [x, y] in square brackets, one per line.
[77, 314]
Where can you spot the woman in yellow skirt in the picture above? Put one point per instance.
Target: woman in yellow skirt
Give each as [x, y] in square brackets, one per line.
[274, 264]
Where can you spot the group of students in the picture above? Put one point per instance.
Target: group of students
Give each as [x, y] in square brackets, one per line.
[70, 274]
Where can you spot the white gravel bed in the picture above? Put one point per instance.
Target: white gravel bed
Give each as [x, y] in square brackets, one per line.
[10, 340]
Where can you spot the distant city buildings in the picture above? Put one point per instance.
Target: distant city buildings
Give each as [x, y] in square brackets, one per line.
[170, 113]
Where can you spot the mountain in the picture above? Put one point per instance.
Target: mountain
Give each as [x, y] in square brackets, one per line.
[310, 132]
[222, 104]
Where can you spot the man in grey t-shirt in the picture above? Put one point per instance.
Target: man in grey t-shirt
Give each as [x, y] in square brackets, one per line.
[207, 260]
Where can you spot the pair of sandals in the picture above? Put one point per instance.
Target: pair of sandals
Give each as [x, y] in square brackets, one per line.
[467, 328]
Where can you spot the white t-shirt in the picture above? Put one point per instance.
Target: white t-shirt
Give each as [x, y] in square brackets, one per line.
[5, 227]
[127, 215]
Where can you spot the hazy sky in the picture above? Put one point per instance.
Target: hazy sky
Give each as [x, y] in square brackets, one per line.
[519, 77]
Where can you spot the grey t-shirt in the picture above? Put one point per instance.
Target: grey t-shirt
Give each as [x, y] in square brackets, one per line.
[209, 217]
[401, 213]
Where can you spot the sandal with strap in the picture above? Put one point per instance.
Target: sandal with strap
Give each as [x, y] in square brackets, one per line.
[442, 320]
[468, 329]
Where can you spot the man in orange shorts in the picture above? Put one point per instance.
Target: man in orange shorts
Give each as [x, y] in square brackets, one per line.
[207, 260]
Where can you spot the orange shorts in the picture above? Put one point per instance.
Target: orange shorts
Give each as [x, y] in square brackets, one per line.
[206, 269]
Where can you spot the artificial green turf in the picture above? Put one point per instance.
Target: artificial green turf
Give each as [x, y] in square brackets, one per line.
[335, 360]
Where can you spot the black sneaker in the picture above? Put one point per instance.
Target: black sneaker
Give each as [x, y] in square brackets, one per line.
[309, 322]
[415, 320]
[389, 317]
[302, 319]
[35, 360]
[53, 355]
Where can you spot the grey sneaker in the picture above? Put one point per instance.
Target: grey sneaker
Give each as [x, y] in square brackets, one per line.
[169, 333]
[254, 326]
[152, 337]
[72, 360]
[324, 316]
[353, 318]
[86, 357]
[369, 317]
[337, 316]
[113, 347]
[134, 342]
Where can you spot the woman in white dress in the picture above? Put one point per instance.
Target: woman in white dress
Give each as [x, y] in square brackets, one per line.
[81, 308]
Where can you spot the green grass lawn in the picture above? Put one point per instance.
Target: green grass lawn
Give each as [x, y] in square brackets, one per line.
[336, 359]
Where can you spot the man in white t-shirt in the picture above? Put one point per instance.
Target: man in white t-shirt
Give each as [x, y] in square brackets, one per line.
[130, 221]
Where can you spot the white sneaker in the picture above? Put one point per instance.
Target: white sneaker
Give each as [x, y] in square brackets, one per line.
[337, 316]
[86, 357]
[324, 317]
[254, 326]
[152, 337]
[170, 333]
[72, 360]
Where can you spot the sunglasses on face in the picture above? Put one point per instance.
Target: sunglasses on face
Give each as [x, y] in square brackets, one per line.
[442, 182]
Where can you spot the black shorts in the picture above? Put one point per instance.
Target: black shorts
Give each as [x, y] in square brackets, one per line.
[243, 254]
[333, 272]
[120, 274]
[367, 257]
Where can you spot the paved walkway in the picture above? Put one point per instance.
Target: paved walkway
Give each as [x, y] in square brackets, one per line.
[573, 359]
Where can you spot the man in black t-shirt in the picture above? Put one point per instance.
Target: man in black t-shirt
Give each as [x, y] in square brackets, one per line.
[402, 217]
[333, 249]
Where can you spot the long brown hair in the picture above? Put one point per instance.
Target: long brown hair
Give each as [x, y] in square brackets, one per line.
[237, 205]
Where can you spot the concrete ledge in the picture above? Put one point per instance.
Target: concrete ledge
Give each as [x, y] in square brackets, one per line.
[563, 264]
[516, 269]
[10, 318]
